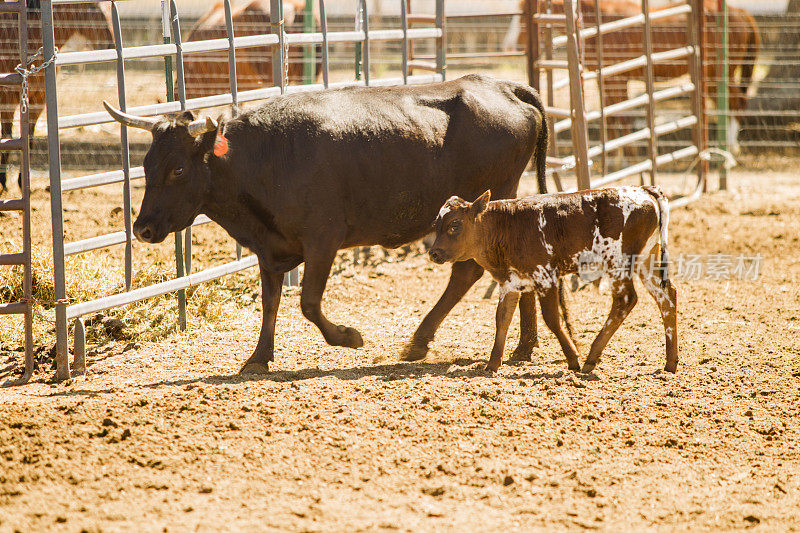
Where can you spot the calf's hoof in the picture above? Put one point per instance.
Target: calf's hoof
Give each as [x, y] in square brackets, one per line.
[414, 352]
[490, 367]
[587, 367]
[253, 367]
[671, 367]
[521, 355]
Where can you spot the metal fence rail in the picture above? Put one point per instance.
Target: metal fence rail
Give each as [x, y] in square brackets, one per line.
[590, 65]
[278, 40]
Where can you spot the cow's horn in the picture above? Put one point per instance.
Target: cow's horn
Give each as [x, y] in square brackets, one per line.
[130, 120]
[201, 125]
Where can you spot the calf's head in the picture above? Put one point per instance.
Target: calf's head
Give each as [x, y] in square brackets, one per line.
[457, 229]
[177, 177]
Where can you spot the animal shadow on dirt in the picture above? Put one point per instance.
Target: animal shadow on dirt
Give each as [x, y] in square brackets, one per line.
[461, 367]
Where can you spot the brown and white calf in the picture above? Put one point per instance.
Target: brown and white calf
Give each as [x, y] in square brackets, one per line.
[529, 243]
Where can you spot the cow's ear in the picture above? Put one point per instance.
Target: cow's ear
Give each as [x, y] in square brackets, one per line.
[481, 203]
[187, 116]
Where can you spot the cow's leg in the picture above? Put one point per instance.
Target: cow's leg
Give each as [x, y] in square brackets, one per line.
[318, 267]
[505, 312]
[258, 363]
[528, 336]
[463, 276]
[552, 318]
[624, 299]
[667, 299]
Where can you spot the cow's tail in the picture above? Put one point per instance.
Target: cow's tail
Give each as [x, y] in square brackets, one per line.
[530, 96]
[663, 223]
[541, 148]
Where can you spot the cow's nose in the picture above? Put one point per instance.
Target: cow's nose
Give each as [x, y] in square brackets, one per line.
[144, 234]
[437, 255]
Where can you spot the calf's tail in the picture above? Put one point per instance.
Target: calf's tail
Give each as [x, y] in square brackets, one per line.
[663, 223]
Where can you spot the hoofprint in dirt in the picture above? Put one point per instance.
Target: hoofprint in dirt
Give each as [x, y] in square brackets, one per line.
[167, 435]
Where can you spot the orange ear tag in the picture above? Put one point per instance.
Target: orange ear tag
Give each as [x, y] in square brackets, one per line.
[220, 145]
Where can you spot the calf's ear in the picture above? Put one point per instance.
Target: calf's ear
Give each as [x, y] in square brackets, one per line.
[480, 204]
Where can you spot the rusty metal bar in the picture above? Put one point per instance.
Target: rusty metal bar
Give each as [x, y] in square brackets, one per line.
[56, 212]
[649, 83]
[579, 137]
[598, 14]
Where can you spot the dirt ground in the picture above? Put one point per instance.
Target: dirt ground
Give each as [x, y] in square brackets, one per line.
[166, 435]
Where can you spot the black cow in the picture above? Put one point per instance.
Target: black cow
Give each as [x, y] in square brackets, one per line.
[305, 175]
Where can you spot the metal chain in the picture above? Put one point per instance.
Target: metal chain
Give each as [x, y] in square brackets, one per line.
[26, 72]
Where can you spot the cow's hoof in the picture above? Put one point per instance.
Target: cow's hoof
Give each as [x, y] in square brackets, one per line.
[255, 368]
[414, 352]
[587, 367]
[521, 355]
[491, 368]
[351, 338]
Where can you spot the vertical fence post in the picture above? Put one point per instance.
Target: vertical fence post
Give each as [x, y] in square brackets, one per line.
[54, 159]
[441, 42]
[309, 57]
[531, 43]
[365, 50]
[179, 264]
[232, 78]
[404, 25]
[648, 80]
[359, 26]
[601, 88]
[578, 108]
[126, 161]
[277, 25]
[25, 176]
[176, 38]
[723, 102]
[697, 73]
[324, 21]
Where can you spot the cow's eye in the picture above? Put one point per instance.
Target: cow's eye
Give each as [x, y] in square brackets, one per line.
[177, 172]
[454, 228]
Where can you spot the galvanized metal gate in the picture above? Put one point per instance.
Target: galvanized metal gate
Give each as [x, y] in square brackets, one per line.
[25, 305]
[174, 49]
[576, 118]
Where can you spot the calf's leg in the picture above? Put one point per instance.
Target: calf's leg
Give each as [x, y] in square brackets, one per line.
[667, 300]
[528, 336]
[552, 318]
[624, 299]
[505, 312]
[318, 267]
[463, 276]
[271, 283]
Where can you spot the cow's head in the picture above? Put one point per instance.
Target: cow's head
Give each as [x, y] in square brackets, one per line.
[457, 229]
[176, 173]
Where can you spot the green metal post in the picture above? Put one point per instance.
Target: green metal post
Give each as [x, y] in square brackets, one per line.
[722, 91]
[309, 57]
[359, 27]
[178, 234]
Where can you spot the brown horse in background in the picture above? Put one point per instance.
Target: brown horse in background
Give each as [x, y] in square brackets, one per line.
[667, 34]
[90, 21]
[207, 73]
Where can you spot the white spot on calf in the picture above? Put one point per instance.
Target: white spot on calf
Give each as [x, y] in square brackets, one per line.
[443, 211]
[542, 223]
[604, 256]
[631, 198]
